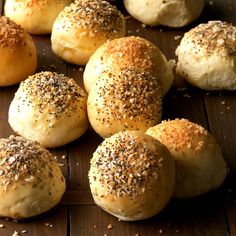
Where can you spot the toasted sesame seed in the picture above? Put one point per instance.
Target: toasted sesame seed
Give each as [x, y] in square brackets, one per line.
[125, 164]
[110, 226]
[17, 156]
[11, 34]
[213, 37]
[180, 134]
[50, 92]
[97, 16]
[130, 96]
[15, 233]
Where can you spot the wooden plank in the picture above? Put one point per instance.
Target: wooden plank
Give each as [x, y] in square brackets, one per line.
[185, 103]
[183, 218]
[50, 224]
[1, 7]
[221, 110]
[6, 96]
[202, 216]
[77, 198]
[80, 153]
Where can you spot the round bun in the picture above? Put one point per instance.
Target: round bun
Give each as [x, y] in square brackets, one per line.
[132, 176]
[200, 166]
[49, 108]
[174, 13]
[18, 53]
[207, 55]
[84, 26]
[128, 100]
[31, 181]
[35, 16]
[129, 52]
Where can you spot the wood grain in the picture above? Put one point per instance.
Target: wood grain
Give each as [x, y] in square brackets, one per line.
[213, 214]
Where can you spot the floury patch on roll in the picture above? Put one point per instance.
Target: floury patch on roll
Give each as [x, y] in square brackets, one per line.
[18, 53]
[200, 166]
[84, 26]
[132, 176]
[35, 16]
[31, 181]
[129, 52]
[49, 108]
[172, 13]
[207, 55]
[128, 100]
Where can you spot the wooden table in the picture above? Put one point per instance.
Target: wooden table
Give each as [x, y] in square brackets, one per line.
[212, 214]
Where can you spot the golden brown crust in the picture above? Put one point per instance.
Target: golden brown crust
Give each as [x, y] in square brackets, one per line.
[49, 108]
[132, 175]
[181, 134]
[199, 164]
[132, 51]
[11, 34]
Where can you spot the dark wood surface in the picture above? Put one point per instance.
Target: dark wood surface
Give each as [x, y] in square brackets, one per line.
[213, 214]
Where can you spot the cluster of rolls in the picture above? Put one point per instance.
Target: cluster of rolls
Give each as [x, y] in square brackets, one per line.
[133, 175]
[77, 27]
[126, 79]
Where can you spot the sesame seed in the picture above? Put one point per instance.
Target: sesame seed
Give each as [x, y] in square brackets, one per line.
[177, 37]
[15, 233]
[110, 226]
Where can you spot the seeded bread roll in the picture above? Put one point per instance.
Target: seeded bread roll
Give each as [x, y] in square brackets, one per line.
[35, 16]
[173, 13]
[49, 108]
[31, 181]
[207, 55]
[132, 176]
[199, 164]
[129, 52]
[84, 26]
[18, 53]
[128, 100]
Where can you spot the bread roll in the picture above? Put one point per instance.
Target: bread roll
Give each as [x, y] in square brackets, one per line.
[18, 53]
[207, 55]
[131, 176]
[128, 100]
[49, 108]
[129, 52]
[35, 16]
[199, 164]
[84, 26]
[173, 13]
[31, 181]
